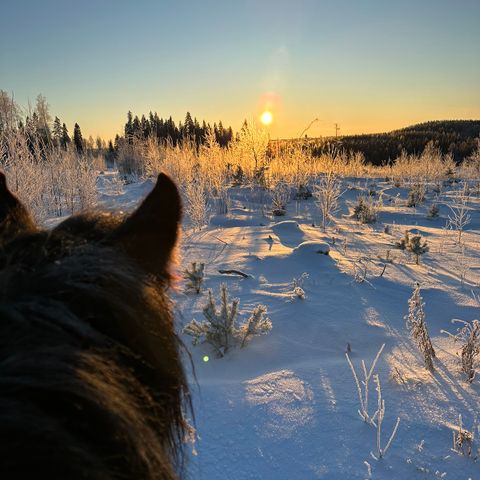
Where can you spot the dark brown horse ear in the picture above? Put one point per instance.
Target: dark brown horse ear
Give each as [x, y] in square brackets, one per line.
[150, 234]
[14, 217]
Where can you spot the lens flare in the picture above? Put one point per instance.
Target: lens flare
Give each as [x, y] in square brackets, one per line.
[266, 118]
[206, 359]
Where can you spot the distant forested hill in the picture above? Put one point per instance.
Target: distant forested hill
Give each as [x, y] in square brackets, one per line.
[451, 136]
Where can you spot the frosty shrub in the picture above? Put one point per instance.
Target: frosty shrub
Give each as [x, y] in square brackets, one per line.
[417, 327]
[365, 210]
[220, 329]
[416, 195]
[194, 277]
[326, 193]
[197, 207]
[303, 193]
[433, 211]
[50, 181]
[298, 292]
[362, 387]
[413, 244]
[464, 440]
[380, 415]
[459, 217]
[469, 337]
[130, 159]
[280, 196]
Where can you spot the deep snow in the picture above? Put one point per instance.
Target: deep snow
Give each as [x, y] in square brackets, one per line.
[285, 406]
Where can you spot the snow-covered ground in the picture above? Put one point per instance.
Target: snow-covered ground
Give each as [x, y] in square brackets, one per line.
[285, 406]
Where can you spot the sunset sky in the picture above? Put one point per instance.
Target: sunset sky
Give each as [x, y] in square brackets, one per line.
[369, 65]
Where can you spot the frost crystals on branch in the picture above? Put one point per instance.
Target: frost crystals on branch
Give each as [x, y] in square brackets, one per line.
[417, 326]
[220, 329]
[362, 387]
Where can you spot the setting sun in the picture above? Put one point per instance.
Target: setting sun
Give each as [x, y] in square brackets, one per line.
[266, 118]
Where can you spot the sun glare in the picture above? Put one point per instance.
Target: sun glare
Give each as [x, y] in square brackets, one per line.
[266, 118]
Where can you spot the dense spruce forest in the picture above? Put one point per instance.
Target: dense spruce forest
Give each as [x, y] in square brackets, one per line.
[169, 130]
[458, 137]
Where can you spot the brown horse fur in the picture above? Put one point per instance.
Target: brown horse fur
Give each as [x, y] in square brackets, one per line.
[91, 380]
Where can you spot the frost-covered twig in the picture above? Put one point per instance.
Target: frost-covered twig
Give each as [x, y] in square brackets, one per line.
[380, 414]
[362, 388]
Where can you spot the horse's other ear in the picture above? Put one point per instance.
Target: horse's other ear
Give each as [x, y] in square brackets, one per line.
[150, 233]
[14, 217]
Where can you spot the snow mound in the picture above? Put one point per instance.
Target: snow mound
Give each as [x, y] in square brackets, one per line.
[312, 246]
[289, 233]
[287, 226]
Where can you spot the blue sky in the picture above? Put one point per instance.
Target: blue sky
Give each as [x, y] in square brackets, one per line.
[369, 65]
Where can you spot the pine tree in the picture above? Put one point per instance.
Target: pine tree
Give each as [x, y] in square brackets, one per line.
[417, 326]
[188, 127]
[65, 140]
[129, 128]
[77, 139]
[57, 132]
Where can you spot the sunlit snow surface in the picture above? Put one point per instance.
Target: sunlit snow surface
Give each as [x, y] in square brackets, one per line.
[285, 407]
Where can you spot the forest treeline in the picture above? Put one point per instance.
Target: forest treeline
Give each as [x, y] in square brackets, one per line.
[168, 130]
[458, 137]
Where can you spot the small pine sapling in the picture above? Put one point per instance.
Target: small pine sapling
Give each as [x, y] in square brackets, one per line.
[469, 336]
[417, 327]
[413, 244]
[194, 277]
[365, 211]
[220, 330]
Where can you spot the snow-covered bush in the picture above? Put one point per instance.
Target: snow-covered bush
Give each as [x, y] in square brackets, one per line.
[220, 329]
[413, 244]
[469, 337]
[50, 181]
[417, 327]
[460, 217]
[197, 205]
[433, 211]
[365, 210]
[326, 193]
[280, 196]
[298, 292]
[194, 277]
[416, 195]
